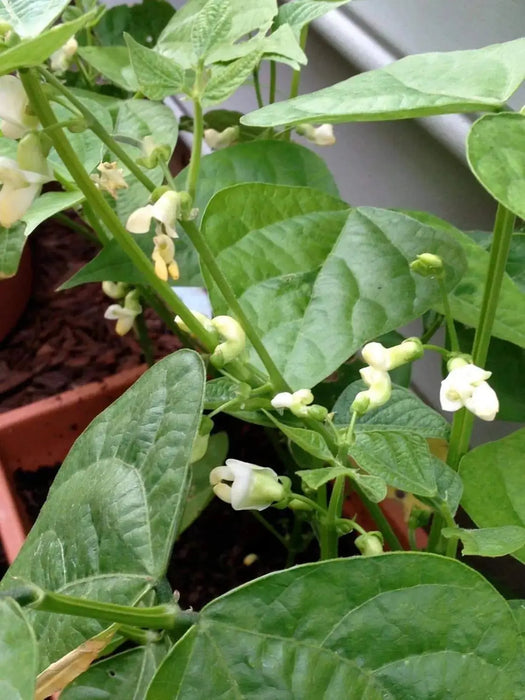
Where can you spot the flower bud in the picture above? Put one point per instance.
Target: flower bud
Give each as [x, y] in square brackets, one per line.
[200, 444]
[218, 140]
[204, 321]
[370, 544]
[361, 403]
[114, 290]
[233, 340]
[246, 486]
[428, 265]
[321, 135]
[297, 403]
[61, 59]
[153, 153]
[379, 386]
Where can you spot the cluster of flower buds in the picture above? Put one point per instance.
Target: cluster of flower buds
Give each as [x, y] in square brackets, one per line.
[218, 140]
[228, 333]
[111, 178]
[320, 135]
[380, 360]
[466, 387]
[126, 313]
[299, 403]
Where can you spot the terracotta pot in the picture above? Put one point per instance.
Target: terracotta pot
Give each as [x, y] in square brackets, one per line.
[14, 294]
[42, 433]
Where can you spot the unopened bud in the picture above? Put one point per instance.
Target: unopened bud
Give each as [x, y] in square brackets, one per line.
[233, 340]
[114, 290]
[428, 265]
[370, 544]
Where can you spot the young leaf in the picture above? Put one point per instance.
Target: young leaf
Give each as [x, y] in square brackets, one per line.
[494, 484]
[374, 487]
[403, 625]
[308, 440]
[111, 517]
[113, 63]
[404, 411]
[156, 75]
[33, 52]
[211, 26]
[415, 86]
[29, 19]
[299, 13]
[281, 45]
[317, 281]
[225, 80]
[488, 541]
[12, 242]
[19, 653]
[315, 478]
[401, 460]
[496, 155]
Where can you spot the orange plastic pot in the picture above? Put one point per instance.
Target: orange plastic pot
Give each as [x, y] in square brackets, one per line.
[14, 294]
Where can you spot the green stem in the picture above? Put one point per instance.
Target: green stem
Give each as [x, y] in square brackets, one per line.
[501, 240]
[329, 537]
[273, 82]
[195, 159]
[167, 174]
[296, 76]
[209, 262]
[144, 339]
[97, 128]
[454, 343]
[380, 520]
[83, 230]
[106, 214]
[436, 323]
[257, 86]
[437, 348]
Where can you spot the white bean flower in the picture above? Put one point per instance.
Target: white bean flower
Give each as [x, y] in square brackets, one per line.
[297, 402]
[15, 118]
[125, 314]
[111, 178]
[466, 387]
[246, 486]
[320, 135]
[163, 256]
[164, 211]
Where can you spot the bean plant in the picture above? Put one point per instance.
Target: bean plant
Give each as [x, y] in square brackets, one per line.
[307, 294]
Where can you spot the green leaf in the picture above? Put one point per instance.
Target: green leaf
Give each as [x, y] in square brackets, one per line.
[465, 299]
[299, 13]
[403, 411]
[113, 63]
[176, 40]
[12, 240]
[33, 52]
[308, 440]
[373, 486]
[220, 391]
[515, 266]
[415, 86]
[156, 75]
[449, 486]
[144, 22]
[120, 677]
[111, 517]
[496, 155]
[281, 45]
[212, 25]
[489, 541]
[18, 653]
[200, 493]
[30, 18]
[397, 626]
[315, 478]
[403, 460]
[316, 281]
[225, 80]
[494, 484]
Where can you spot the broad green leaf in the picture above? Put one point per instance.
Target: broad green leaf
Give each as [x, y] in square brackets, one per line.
[18, 653]
[496, 155]
[317, 281]
[212, 25]
[506, 361]
[120, 677]
[176, 39]
[518, 608]
[144, 22]
[374, 487]
[200, 493]
[308, 440]
[88, 147]
[415, 86]
[403, 411]
[403, 460]
[156, 75]
[488, 541]
[33, 52]
[30, 17]
[113, 63]
[396, 626]
[494, 484]
[299, 13]
[449, 486]
[465, 299]
[12, 240]
[225, 80]
[112, 514]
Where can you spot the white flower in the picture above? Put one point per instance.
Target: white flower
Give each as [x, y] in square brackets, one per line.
[297, 402]
[164, 211]
[124, 315]
[378, 392]
[163, 256]
[376, 355]
[110, 179]
[15, 120]
[321, 135]
[221, 139]
[246, 486]
[233, 340]
[203, 320]
[381, 358]
[466, 386]
[61, 59]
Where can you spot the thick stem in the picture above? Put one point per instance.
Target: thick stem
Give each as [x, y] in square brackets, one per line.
[208, 259]
[501, 240]
[329, 537]
[106, 214]
[97, 128]
[195, 159]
